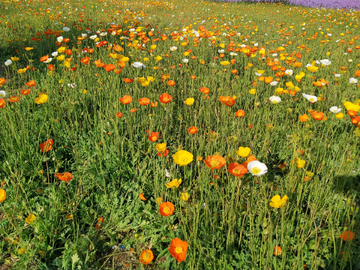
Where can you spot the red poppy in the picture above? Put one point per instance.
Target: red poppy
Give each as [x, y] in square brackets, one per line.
[2, 103]
[215, 162]
[163, 154]
[25, 92]
[170, 83]
[347, 235]
[51, 67]
[193, 77]
[46, 146]
[133, 110]
[204, 90]
[85, 60]
[237, 169]
[119, 114]
[165, 98]
[228, 101]
[154, 136]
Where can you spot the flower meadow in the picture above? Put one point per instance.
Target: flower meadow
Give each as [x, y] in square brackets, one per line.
[178, 135]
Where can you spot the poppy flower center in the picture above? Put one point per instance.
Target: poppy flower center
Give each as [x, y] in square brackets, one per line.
[274, 101]
[167, 210]
[255, 170]
[154, 138]
[311, 99]
[179, 250]
[1, 95]
[214, 163]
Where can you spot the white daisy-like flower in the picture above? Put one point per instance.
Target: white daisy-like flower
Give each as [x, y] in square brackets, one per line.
[221, 51]
[173, 48]
[353, 80]
[310, 98]
[185, 60]
[2, 94]
[274, 54]
[66, 29]
[275, 99]
[233, 54]
[84, 35]
[103, 34]
[337, 75]
[335, 109]
[48, 60]
[325, 62]
[93, 37]
[274, 83]
[289, 72]
[54, 54]
[138, 65]
[329, 34]
[132, 30]
[8, 62]
[60, 39]
[256, 168]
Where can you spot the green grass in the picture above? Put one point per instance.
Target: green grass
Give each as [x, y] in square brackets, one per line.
[227, 221]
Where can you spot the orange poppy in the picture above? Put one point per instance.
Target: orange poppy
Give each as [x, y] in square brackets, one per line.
[85, 60]
[351, 113]
[170, 83]
[25, 92]
[44, 58]
[2, 103]
[193, 77]
[165, 98]
[2, 81]
[215, 162]
[355, 120]
[146, 256]
[46, 146]
[193, 130]
[31, 83]
[166, 209]
[228, 101]
[51, 67]
[268, 79]
[248, 160]
[154, 136]
[127, 80]
[237, 169]
[347, 235]
[277, 251]
[119, 114]
[109, 67]
[142, 197]
[14, 99]
[204, 90]
[178, 249]
[240, 113]
[144, 101]
[153, 104]
[357, 74]
[125, 99]
[234, 71]
[318, 115]
[65, 177]
[99, 63]
[304, 118]
[133, 110]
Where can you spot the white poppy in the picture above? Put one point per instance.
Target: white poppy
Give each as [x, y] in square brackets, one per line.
[221, 51]
[275, 99]
[325, 62]
[335, 109]
[353, 80]
[8, 62]
[48, 60]
[60, 39]
[233, 54]
[289, 72]
[93, 37]
[54, 54]
[138, 65]
[256, 168]
[173, 48]
[274, 83]
[185, 60]
[66, 29]
[2, 94]
[103, 34]
[337, 75]
[310, 98]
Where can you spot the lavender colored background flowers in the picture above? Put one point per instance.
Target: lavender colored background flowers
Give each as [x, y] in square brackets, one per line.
[337, 4]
